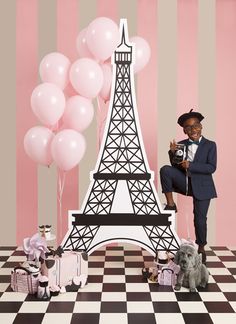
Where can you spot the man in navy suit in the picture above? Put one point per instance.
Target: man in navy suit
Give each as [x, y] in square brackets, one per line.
[192, 176]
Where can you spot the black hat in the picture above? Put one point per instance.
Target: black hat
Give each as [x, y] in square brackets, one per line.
[190, 114]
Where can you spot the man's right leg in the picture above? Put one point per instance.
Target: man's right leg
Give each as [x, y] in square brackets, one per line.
[172, 180]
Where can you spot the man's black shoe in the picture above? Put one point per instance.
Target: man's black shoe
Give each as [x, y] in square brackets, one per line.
[168, 207]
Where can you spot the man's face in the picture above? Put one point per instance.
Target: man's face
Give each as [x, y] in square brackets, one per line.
[193, 128]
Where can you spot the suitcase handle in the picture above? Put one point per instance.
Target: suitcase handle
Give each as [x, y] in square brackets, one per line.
[22, 268]
[168, 270]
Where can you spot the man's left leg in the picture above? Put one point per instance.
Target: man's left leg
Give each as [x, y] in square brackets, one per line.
[200, 209]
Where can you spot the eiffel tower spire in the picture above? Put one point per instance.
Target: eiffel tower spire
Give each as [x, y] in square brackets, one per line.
[123, 46]
[122, 177]
[123, 153]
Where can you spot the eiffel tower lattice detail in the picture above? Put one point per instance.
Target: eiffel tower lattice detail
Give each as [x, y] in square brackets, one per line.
[121, 204]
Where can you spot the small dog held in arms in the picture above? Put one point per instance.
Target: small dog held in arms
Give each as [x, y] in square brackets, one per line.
[192, 272]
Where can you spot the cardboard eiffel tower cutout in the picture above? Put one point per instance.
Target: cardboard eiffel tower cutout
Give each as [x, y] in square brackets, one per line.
[121, 204]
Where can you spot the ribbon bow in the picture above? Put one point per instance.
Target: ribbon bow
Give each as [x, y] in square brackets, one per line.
[193, 142]
[35, 247]
[188, 242]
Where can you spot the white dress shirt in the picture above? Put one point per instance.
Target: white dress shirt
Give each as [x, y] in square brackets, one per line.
[192, 149]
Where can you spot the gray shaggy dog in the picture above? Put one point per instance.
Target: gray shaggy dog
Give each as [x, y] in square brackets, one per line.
[192, 272]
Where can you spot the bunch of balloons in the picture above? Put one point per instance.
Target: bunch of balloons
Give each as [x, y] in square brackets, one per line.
[63, 118]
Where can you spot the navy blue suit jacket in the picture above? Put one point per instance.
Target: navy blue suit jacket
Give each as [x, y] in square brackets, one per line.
[202, 168]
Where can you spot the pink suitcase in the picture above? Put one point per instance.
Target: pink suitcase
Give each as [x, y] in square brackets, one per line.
[23, 281]
[166, 277]
[61, 270]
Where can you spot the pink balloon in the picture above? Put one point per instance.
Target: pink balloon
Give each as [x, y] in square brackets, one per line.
[54, 68]
[78, 113]
[37, 144]
[102, 37]
[107, 76]
[81, 45]
[86, 77]
[142, 53]
[68, 147]
[48, 103]
[69, 91]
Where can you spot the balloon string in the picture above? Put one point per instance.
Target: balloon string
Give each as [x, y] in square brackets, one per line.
[100, 123]
[98, 103]
[61, 184]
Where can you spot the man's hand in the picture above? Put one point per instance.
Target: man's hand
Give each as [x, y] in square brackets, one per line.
[185, 164]
[173, 146]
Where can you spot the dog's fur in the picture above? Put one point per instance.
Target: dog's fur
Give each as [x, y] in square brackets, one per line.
[192, 272]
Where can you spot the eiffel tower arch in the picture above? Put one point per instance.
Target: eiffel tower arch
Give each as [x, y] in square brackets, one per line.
[121, 204]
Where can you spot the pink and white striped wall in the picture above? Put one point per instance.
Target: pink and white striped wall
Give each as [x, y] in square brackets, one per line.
[192, 65]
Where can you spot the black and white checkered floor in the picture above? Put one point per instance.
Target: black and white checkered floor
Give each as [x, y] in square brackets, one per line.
[117, 294]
